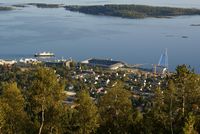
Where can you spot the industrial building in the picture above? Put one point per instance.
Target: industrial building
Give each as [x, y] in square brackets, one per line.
[64, 63]
[105, 63]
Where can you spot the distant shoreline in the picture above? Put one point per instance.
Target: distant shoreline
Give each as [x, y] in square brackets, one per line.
[195, 25]
[130, 11]
[134, 11]
[6, 8]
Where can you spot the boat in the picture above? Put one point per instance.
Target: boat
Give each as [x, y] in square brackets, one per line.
[44, 54]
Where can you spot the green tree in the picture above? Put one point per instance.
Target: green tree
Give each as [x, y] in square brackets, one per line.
[189, 125]
[137, 125]
[12, 115]
[69, 121]
[45, 97]
[187, 95]
[115, 109]
[187, 88]
[179, 99]
[171, 96]
[87, 116]
[155, 118]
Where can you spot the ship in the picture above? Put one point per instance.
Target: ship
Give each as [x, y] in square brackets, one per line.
[44, 54]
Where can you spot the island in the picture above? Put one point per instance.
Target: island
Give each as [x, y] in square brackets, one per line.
[43, 5]
[19, 5]
[5, 8]
[133, 11]
[195, 25]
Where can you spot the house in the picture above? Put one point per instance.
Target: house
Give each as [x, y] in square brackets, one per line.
[29, 61]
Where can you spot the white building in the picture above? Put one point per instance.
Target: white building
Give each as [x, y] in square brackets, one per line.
[7, 62]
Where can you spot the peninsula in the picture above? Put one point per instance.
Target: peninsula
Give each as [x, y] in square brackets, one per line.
[133, 11]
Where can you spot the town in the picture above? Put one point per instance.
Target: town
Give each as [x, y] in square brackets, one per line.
[98, 75]
[72, 94]
[106, 75]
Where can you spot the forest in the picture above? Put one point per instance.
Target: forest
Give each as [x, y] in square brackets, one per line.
[32, 102]
[133, 11]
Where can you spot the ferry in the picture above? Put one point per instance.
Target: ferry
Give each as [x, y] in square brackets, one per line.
[44, 54]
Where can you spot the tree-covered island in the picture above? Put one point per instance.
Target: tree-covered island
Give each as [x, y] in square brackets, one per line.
[133, 11]
[44, 5]
[5, 8]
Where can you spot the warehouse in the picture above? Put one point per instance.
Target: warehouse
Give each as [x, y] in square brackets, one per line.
[105, 63]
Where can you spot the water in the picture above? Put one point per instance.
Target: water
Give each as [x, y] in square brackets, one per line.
[68, 34]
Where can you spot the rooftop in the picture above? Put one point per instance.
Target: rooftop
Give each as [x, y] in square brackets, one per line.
[105, 62]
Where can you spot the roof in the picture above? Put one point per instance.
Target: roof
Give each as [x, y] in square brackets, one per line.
[105, 62]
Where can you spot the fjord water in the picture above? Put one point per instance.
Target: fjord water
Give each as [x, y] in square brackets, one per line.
[28, 30]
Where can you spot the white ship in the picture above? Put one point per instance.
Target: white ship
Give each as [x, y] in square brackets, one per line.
[44, 54]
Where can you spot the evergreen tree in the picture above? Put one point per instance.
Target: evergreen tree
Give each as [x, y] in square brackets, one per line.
[187, 95]
[155, 118]
[171, 96]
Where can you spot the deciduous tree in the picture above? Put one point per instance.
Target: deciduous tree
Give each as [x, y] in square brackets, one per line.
[45, 98]
[13, 119]
[115, 109]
